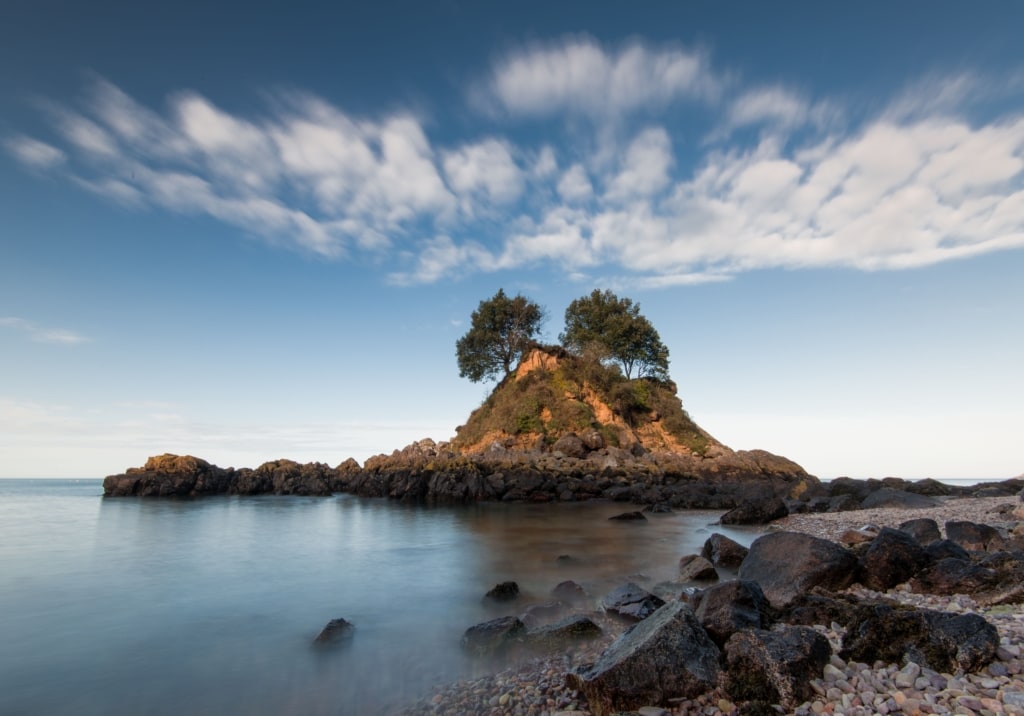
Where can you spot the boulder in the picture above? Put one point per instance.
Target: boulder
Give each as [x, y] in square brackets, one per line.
[892, 558]
[493, 637]
[723, 552]
[944, 548]
[631, 601]
[953, 576]
[811, 609]
[629, 517]
[843, 503]
[939, 641]
[562, 634]
[775, 667]
[336, 630]
[924, 529]
[537, 614]
[974, 537]
[569, 592]
[858, 536]
[928, 486]
[694, 568]
[756, 512]
[858, 489]
[787, 564]
[901, 499]
[504, 592]
[729, 607]
[666, 656]
[570, 445]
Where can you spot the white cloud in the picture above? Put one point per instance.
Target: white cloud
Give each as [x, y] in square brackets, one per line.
[33, 153]
[484, 168]
[575, 186]
[546, 164]
[40, 334]
[645, 168]
[578, 75]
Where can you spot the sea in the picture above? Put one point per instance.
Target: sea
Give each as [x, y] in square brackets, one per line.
[136, 606]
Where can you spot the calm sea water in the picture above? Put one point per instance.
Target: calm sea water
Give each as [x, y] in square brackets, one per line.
[143, 606]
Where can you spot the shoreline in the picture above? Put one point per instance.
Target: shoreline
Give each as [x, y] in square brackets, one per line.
[536, 687]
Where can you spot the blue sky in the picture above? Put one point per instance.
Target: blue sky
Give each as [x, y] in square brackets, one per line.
[256, 231]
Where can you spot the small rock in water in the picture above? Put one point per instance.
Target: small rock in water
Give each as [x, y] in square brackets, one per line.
[504, 592]
[629, 517]
[335, 631]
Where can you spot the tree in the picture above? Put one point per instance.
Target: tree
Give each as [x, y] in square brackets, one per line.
[615, 329]
[501, 330]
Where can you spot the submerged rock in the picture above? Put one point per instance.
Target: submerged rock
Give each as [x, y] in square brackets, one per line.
[504, 592]
[337, 630]
[493, 637]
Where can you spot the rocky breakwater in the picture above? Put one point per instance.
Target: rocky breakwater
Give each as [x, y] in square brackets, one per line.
[580, 468]
[187, 476]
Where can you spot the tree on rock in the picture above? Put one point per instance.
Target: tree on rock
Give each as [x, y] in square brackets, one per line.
[615, 328]
[501, 330]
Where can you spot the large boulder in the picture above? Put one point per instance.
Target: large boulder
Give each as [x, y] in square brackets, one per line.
[631, 601]
[924, 529]
[939, 641]
[727, 608]
[775, 667]
[666, 656]
[723, 552]
[974, 537]
[892, 558]
[493, 637]
[561, 634]
[756, 511]
[787, 564]
[901, 499]
[953, 576]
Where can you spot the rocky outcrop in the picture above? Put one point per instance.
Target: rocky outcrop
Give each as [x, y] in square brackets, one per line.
[664, 657]
[787, 564]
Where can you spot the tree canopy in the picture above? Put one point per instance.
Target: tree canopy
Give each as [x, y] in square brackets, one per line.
[501, 330]
[617, 331]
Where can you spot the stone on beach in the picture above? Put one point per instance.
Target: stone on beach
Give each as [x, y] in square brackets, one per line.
[892, 558]
[726, 608]
[787, 564]
[775, 667]
[631, 601]
[695, 568]
[723, 552]
[492, 637]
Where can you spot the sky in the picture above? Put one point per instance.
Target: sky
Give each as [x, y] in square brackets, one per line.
[251, 231]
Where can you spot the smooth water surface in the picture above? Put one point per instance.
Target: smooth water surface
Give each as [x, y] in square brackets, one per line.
[163, 606]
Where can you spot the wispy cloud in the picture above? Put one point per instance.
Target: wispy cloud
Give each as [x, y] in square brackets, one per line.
[44, 335]
[917, 180]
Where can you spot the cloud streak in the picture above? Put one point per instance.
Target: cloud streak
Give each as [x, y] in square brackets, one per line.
[39, 334]
[780, 179]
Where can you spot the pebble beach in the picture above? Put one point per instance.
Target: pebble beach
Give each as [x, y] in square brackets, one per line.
[537, 688]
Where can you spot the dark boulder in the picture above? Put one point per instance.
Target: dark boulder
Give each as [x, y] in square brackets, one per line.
[924, 529]
[562, 634]
[569, 592]
[503, 592]
[756, 512]
[851, 486]
[974, 537]
[787, 564]
[493, 637]
[775, 667]
[666, 656]
[901, 499]
[944, 549]
[953, 576]
[729, 607]
[629, 517]
[537, 614]
[931, 487]
[892, 558]
[694, 568]
[939, 641]
[811, 609]
[631, 601]
[337, 630]
[723, 552]
[843, 503]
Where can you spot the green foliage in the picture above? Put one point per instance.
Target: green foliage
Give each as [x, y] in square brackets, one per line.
[501, 330]
[614, 329]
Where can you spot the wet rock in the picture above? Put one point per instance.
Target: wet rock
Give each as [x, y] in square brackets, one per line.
[666, 656]
[901, 499]
[893, 558]
[787, 564]
[629, 517]
[336, 630]
[723, 552]
[940, 641]
[757, 511]
[924, 529]
[974, 537]
[775, 667]
[729, 607]
[538, 614]
[504, 592]
[569, 592]
[695, 568]
[561, 634]
[631, 601]
[493, 637]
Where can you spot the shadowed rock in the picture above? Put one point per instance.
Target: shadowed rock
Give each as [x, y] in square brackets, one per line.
[953, 576]
[892, 558]
[629, 517]
[695, 568]
[775, 667]
[757, 511]
[924, 529]
[887, 497]
[730, 607]
[558, 636]
[503, 592]
[666, 656]
[569, 592]
[493, 637]
[723, 552]
[787, 564]
[974, 537]
[337, 630]
[631, 601]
